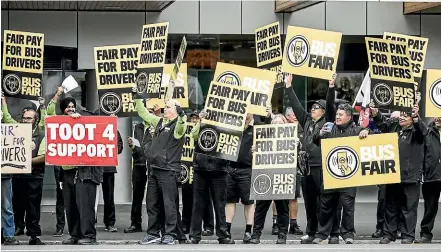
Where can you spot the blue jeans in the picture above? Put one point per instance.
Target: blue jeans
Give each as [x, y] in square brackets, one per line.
[7, 213]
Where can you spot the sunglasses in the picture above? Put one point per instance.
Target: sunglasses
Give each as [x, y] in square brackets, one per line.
[316, 107]
[27, 118]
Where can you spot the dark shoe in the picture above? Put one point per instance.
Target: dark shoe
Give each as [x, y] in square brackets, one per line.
[10, 241]
[87, 241]
[111, 229]
[19, 231]
[36, 241]
[150, 239]
[317, 241]
[207, 232]
[385, 241]
[226, 241]
[295, 230]
[423, 240]
[281, 239]
[378, 234]
[275, 229]
[168, 240]
[193, 241]
[132, 229]
[186, 230]
[182, 241]
[308, 240]
[334, 240]
[247, 238]
[58, 233]
[255, 239]
[406, 241]
[70, 241]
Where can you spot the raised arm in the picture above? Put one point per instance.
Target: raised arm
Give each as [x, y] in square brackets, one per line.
[148, 118]
[7, 118]
[385, 125]
[330, 100]
[181, 124]
[195, 131]
[297, 107]
[419, 128]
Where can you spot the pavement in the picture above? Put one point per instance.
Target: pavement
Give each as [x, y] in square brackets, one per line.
[365, 220]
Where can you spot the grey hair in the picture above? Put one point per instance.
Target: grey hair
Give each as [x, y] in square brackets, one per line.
[288, 111]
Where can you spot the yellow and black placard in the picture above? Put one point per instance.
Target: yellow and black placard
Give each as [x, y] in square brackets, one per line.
[222, 128]
[188, 149]
[417, 49]
[396, 96]
[186, 175]
[118, 101]
[152, 58]
[180, 92]
[351, 161]
[176, 67]
[310, 52]
[433, 93]
[22, 64]
[259, 82]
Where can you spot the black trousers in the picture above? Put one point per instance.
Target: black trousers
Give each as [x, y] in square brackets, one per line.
[59, 204]
[109, 198]
[311, 190]
[401, 199]
[26, 200]
[262, 207]
[179, 231]
[162, 186]
[187, 202]
[139, 181]
[79, 200]
[329, 206]
[431, 192]
[206, 185]
[381, 206]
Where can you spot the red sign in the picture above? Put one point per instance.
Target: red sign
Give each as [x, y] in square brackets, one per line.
[85, 141]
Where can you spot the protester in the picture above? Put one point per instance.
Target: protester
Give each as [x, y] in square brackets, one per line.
[311, 124]
[165, 157]
[28, 188]
[402, 198]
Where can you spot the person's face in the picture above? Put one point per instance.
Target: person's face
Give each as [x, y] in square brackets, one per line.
[317, 111]
[342, 117]
[170, 110]
[278, 120]
[438, 122]
[70, 109]
[405, 119]
[194, 119]
[28, 117]
[291, 118]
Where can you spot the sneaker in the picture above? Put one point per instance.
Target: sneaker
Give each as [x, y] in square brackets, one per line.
[70, 241]
[317, 241]
[150, 239]
[10, 241]
[378, 234]
[111, 229]
[295, 230]
[193, 241]
[132, 229]
[247, 238]
[36, 241]
[58, 233]
[275, 229]
[385, 241]
[168, 240]
[255, 239]
[226, 241]
[207, 232]
[281, 239]
[19, 231]
[334, 240]
[406, 241]
[423, 240]
[349, 241]
[307, 240]
[87, 241]
[399, 236]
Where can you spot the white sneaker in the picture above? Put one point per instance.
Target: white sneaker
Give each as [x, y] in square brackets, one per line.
[304, 237]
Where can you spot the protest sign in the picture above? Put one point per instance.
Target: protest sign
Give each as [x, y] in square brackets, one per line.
[274, 162]
[222, 128]
[152, 59]
[259, 82]
[310, 52]
[186, 175]
[17, 147]
[180, 92]
[433, 93]
[176, 67]
[115, 68]
[392, 82]
[22, 64]
[352, 162]
[269, 49]
[85, 141]
[417, 49]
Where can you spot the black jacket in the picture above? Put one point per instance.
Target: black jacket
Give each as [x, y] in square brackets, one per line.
[310, 128]
[207, 163]
[245, 159]
[112, 169]
[432, 151]
[144, 137]
[410, 143]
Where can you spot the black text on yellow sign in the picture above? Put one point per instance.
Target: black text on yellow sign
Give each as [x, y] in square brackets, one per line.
[275, 146]
[116, 66]
[389, 60]
[188, 149]
[268, 44]
[310, 52]
[417, 50]
[352, 162]
[22, 64]
[433, 93]
[153, 45]
[117, 102]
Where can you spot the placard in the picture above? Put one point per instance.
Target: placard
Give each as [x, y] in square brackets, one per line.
[17, 147]
[115, 68]
[310, 52]
[85, 141]
[222, 128]
[22, 64]
[274, 162]
[186, 175]
[352, 162]
[188, 148]
[176, 67]
[433, 93]
[259, 82]
[152, 58]
[396, 96]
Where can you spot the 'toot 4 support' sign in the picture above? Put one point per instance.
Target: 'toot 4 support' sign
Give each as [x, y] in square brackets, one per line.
[86, 141]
